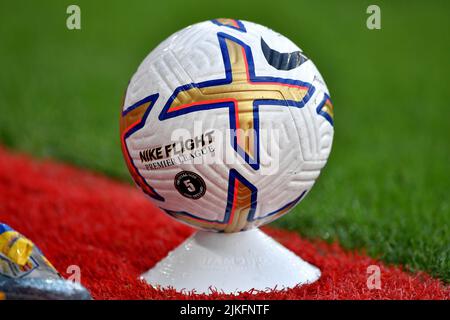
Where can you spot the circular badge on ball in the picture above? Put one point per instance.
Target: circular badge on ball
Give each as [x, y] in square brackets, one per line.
[190, 184]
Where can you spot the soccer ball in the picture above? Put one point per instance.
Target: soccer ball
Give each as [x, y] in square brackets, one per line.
[226, 125]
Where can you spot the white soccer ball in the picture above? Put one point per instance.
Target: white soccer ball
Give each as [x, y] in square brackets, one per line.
[226, 125]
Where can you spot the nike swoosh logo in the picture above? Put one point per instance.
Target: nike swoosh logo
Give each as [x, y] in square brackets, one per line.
[282, 60]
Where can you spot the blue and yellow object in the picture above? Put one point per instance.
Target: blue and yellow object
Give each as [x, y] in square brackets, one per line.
[25, 273]
[14, 246]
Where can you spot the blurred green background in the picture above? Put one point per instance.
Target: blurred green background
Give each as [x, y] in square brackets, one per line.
[385, 188]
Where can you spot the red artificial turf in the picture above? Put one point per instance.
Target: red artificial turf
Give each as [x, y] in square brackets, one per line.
[113, 233]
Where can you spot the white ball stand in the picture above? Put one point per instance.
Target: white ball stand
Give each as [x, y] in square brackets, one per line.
[230, 263]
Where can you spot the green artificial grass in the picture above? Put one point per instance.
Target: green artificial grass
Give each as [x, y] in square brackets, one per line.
[385, 188]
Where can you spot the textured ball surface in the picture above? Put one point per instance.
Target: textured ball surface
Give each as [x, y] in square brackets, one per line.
[226, 125]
